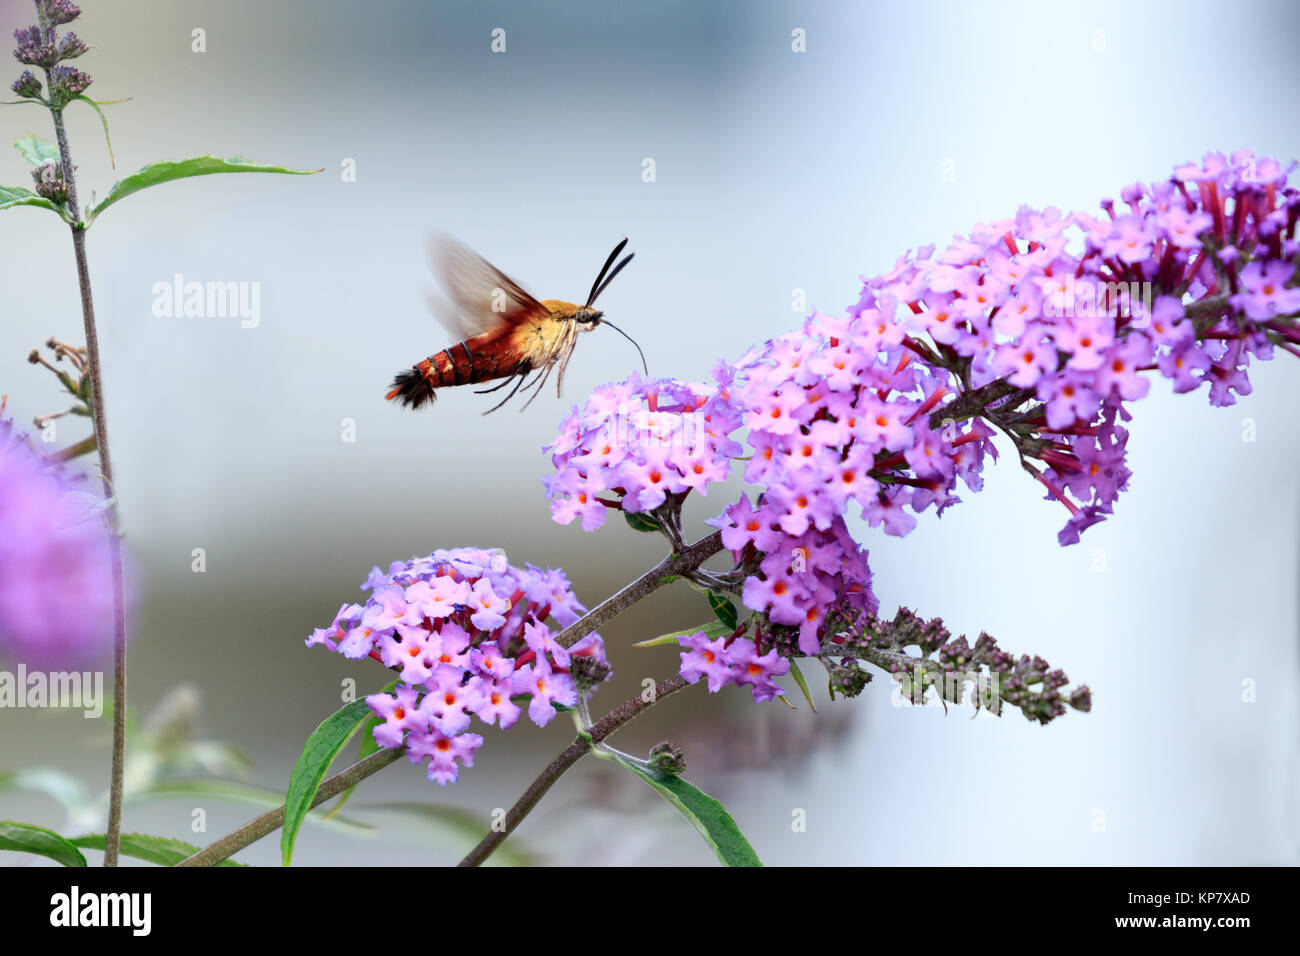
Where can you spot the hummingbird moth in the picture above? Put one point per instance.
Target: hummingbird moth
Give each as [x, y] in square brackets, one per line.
[504, 332]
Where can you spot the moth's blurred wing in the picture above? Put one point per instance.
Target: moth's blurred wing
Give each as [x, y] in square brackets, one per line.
[483, 298]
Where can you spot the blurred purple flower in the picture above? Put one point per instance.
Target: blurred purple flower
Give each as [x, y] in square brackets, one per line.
[56, 591]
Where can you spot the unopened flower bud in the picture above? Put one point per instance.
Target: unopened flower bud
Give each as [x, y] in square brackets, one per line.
[32, 50]
[71, 46]
[66, 83]
[667, 758]
[50, 182]
[27, 85]
[55, 12]
[587, 672]
[846, 678]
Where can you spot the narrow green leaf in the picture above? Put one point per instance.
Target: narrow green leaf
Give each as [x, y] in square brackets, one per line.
[706, 814]
[248, 794]
[368, 747]
[319, 752]
[157, 173]
[18, 196]
[161, 850]
[103, 122]
[57, 784]
[640, 522]
[803, 684]
[711, 630]
[725, 610]
[35, 150]
[25, 838]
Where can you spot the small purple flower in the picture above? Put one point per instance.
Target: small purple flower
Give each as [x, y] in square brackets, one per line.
[1266, 295]
[749, 667]
[399, 713]
[388, 608]
[497, 705]
[542, 642]
[450, 699]
[707, 659]
[442, 752]
[546, 688]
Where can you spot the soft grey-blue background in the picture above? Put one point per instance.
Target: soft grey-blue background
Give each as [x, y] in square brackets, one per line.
[775, 171]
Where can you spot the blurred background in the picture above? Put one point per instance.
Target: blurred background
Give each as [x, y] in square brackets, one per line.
[774, 171]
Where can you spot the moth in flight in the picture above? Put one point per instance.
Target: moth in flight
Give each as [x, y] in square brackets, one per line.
[504, 332]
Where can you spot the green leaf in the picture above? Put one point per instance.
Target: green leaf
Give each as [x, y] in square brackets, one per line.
[711, 630]
[18, 196]
[725, 610]
[66, 789]
[248, 794]
[368, 747]
[640, 522]
[161, 850]
[157, 173]
[706, 814]
[319, 752]
[803, 684]
[36, 151]
[103, 122]
[25, 838]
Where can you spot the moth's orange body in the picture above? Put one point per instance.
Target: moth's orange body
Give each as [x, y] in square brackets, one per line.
[507, 333]
[503, 351]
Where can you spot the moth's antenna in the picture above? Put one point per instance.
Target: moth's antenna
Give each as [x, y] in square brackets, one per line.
[605, 268]
[610, 278]
[645, 367]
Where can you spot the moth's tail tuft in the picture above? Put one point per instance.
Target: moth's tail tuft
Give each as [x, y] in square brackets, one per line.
[411, 388]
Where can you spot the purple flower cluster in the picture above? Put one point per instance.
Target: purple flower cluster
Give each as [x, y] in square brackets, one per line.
[1068, 312]
[797, 580]
[1188, 279]
[56, 595]
[466, 633]
[644, 441]
[1043, 327]
[43, 47]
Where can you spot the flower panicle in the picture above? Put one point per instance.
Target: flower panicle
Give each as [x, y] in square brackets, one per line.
[466, 633]
[42, 46]
[1043, 327]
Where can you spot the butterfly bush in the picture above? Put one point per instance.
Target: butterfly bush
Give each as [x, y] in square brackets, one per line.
[1043, 328]
[638, 445]
[56, 604]
[466, 633]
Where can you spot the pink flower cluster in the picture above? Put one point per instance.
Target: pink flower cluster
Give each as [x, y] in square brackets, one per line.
[466, 632]
[642, 441]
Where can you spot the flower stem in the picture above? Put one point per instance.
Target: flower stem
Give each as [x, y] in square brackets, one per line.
[114, 833]
[272, 820]
[580, 747]
[677, 564]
